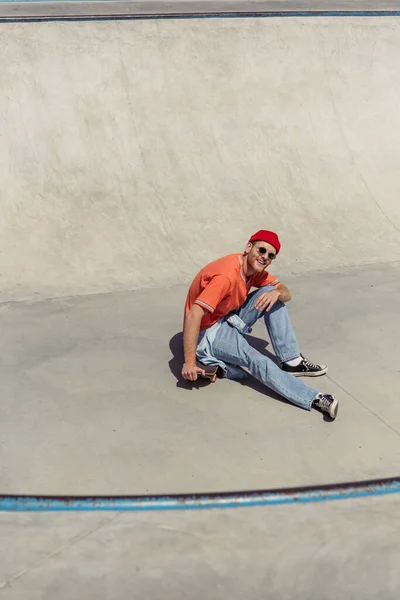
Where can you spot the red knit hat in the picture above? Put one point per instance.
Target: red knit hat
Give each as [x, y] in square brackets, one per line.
[267, 236]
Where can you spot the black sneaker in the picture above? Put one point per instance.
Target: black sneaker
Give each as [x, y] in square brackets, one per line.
[328, 404]
[305, 369]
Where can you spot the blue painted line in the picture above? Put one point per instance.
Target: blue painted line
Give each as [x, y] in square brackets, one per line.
[201, 501]
[219, 15]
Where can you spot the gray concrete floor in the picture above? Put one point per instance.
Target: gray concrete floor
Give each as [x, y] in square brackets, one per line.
[93, 401]
[324, 551]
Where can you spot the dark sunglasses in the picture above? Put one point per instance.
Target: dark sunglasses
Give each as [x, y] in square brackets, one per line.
[261, 250]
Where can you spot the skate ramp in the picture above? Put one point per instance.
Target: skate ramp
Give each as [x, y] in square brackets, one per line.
[135, 151]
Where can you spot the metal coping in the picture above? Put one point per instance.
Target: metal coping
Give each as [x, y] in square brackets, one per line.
[111, 10]
[299, 495]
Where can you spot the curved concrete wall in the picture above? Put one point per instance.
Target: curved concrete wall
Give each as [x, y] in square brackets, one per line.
[135, 151]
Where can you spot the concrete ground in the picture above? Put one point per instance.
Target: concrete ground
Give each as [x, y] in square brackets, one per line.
[93, 401]
[318, 551]
[132, 153]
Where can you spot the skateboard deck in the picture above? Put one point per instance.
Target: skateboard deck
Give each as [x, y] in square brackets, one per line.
[212, 371]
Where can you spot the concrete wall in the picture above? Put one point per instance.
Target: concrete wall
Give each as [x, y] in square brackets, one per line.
[133, 152]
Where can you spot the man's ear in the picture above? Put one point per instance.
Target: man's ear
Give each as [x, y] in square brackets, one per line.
[248, 248]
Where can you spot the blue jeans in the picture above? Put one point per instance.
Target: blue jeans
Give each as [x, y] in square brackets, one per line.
[230, 346]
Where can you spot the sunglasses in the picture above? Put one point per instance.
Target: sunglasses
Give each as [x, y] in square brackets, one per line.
[261, 250]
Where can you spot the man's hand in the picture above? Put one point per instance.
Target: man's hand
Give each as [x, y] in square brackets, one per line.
[191, 329]
[267, 300]
[192, 371]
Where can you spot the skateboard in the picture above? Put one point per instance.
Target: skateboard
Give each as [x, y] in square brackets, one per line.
[212, 371]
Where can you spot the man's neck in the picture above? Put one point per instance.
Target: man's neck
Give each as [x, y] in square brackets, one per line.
[247, 270]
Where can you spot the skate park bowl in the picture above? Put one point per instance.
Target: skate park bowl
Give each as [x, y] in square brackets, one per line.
[139, 142]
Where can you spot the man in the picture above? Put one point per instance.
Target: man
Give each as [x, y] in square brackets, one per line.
[219, 311]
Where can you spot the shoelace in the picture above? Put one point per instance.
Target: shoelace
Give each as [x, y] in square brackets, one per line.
[309, 364]
[324, 402]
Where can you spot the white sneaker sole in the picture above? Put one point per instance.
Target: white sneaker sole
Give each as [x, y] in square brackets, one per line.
[334, 408]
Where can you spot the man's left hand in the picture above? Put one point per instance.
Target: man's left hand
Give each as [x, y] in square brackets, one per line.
[267, 300]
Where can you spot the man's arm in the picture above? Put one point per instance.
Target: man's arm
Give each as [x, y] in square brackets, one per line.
[268, 299]
[285, 294]
[191, 330]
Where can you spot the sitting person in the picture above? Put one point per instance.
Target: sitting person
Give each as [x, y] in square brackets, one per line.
[219, 311]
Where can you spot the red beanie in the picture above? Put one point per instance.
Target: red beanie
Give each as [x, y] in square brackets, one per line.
[267, 236]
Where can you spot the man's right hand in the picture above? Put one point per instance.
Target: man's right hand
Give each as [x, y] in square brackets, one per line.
[191, 329]
[192, 371]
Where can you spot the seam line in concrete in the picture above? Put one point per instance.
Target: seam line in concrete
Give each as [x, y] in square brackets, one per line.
[346, 142]
[75, 540]
[396, 431]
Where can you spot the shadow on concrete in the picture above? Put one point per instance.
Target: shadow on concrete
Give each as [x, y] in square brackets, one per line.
[176, 362]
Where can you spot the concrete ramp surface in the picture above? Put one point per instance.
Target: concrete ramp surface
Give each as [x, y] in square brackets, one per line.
[132, 153]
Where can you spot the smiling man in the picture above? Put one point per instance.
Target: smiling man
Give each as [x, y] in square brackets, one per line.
[220, 310]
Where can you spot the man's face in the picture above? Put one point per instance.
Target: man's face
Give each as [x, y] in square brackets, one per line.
[259, 255]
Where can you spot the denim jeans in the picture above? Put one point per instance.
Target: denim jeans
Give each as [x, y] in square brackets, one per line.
[230, 346]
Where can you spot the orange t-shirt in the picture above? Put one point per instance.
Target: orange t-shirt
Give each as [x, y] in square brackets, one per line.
[222, 286]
